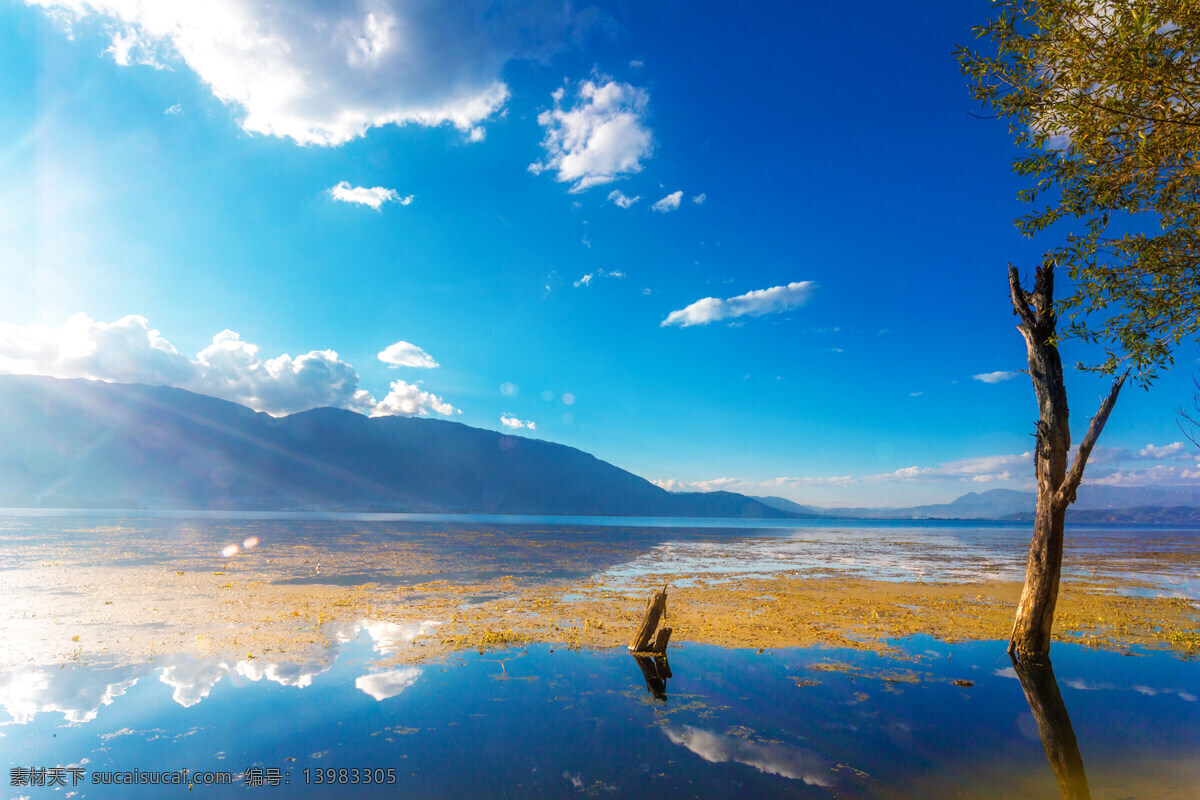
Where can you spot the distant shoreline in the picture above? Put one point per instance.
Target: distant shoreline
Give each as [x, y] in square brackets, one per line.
[1080, 518]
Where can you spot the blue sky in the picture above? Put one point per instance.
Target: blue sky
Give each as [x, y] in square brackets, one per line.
[819, 216]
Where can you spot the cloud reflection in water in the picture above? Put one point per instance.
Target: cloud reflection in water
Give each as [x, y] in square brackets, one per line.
[773, 759]
[79, 692]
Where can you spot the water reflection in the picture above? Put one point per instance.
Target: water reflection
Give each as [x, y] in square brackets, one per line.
[771, 758]
[657, 671]
[739, 723]
[79, 691]
[77, 694]
[1054, 726]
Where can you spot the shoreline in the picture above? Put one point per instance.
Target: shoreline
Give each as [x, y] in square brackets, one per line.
[120, 614]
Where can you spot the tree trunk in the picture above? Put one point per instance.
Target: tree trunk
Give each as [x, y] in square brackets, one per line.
[1056, 485]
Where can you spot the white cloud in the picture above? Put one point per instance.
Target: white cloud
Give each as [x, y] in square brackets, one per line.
[983, 469]
[1172, 450]
[325, 73]
[587, 279]
[668, 203]
[129, 47]
[130, 351]
[620, 198]
[713, 485]
[231, 369]
[408, 400]
[995, 377]
[753, 304]
[374, 196]
[601, 138]
[1159, 474]
[823, 480]
[406, 354]
[699, 198]
[509, 421]
[175, 109]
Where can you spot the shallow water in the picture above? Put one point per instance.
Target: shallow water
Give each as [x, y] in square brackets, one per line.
[545, 722]
[548, 722]
[464, 548]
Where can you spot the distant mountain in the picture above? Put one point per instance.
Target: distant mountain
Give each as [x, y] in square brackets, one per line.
[783, 504]
[1012, 504]
[71, 443]
[1139, 515]
[992, 504]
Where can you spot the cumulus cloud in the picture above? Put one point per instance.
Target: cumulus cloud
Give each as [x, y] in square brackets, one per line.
[374, 196]
[753, 304]
[995, 377]
[406, 354]
[668, 203]
[509, 421]
[130, 351]
[325, 73]
[599, 139]
[409, 400]
[699, 199]
[618, 197]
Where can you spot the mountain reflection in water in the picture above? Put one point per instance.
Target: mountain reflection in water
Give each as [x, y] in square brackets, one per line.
[807, 723]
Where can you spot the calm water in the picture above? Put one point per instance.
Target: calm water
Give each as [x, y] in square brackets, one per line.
[546, 722]
[553, 723]
[469, 548]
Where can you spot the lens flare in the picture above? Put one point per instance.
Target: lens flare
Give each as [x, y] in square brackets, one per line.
[229, 550]
[250, 542]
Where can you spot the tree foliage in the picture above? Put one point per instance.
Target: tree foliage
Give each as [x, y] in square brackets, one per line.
[1103, 96]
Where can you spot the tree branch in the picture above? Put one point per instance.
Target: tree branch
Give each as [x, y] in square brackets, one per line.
[1020, 298]
[1066, 492]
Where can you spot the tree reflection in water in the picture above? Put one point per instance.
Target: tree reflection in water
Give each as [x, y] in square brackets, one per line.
[656, 671]
[1054, 726]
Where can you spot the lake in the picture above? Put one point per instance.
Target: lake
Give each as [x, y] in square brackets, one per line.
[355, 713]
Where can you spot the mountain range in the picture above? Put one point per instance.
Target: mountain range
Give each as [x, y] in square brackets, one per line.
[77, 443]
[1095, 503]
[74, 443]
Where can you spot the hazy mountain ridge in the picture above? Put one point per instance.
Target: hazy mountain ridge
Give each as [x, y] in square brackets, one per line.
[74, 442]
[1096, 503]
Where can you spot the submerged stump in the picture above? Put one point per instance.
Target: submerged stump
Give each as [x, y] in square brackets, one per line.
[645, 640]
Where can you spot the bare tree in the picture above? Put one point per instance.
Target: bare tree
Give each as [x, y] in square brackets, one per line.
[1056, 485]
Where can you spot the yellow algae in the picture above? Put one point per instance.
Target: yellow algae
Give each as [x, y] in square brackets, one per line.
[78, 605]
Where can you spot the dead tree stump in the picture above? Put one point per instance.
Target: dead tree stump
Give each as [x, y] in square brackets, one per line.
[645, 641]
